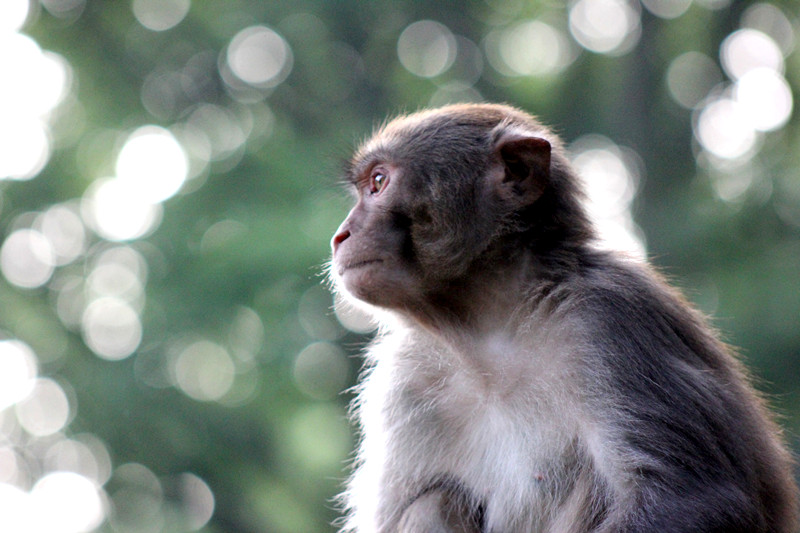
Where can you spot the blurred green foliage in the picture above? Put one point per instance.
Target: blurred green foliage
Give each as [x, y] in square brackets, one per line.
[237, 374]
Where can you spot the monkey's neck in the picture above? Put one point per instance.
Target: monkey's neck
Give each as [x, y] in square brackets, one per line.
[493, 297]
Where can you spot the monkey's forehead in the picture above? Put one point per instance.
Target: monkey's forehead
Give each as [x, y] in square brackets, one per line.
[404, 129]
[447, 125]
[479, 116]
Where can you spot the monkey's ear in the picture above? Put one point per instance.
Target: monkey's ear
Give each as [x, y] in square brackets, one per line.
[525, 169]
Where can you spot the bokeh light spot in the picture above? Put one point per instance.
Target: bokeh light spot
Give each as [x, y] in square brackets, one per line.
[221, 234]
[64, 9]
[723, 128]
[160, 15]
[111, 328]
[765, 97]
[426, 48]
[748, 49]
[127, 257]
[611, 179]
[321, 370]
[605, 26]
[713, 4]
[24, 68]
[769, 19]
[51, 82]
[314, 312]
[26, 258]
[24, 147]
[67, 503]
[100, 468]
[115, 279]
[13, 14]
[45, 410]
[534, 48]
[219, 129]
[246, 336]
[260, 57]
[34, 83]
[154, 163]
[70, 300]
[204, 371]
[137, 498]
[198, 500]
[9, 466]
[63, 228]
[468, 64]
[690, 77]
[70, 455]
[118, 210]
[18, 367]
[319, 437]
[667, 9]
[15, 510]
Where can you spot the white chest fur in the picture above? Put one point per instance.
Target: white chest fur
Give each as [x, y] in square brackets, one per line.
[500, 429]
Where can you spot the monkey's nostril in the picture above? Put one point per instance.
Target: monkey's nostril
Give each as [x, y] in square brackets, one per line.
[339, 238]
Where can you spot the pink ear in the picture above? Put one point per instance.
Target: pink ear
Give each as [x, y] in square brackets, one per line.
[526, 168]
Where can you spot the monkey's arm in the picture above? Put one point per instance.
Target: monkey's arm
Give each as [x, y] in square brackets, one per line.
[442, 510]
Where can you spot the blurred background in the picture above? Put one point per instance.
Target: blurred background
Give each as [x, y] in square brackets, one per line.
[170, 359]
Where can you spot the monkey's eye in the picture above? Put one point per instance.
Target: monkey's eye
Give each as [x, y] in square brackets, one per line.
[377, 181]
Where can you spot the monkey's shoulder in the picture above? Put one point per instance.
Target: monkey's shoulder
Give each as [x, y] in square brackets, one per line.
[628, 306]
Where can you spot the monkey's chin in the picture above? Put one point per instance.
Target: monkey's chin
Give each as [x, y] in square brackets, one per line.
[370, 283]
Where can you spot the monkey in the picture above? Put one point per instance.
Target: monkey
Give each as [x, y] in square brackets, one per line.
[523, 378]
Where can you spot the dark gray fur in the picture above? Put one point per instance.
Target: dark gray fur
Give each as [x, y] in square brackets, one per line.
[637, 418]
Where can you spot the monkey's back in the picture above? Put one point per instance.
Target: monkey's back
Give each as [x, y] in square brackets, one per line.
[685, 415]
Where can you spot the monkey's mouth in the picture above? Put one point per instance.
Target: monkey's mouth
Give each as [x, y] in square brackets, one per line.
[358, 264]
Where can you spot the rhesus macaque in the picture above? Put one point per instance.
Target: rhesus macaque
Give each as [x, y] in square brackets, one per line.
[523, 380]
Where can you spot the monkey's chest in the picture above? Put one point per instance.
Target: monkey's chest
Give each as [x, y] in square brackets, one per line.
[495, 446]
[516, 453]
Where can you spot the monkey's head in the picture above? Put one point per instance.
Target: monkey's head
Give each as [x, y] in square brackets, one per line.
[442, 192]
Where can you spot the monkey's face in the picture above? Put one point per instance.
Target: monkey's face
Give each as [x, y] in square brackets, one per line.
[372, 249]
[434, 191]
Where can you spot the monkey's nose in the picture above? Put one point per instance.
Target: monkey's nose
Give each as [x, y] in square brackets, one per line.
[339, 238]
